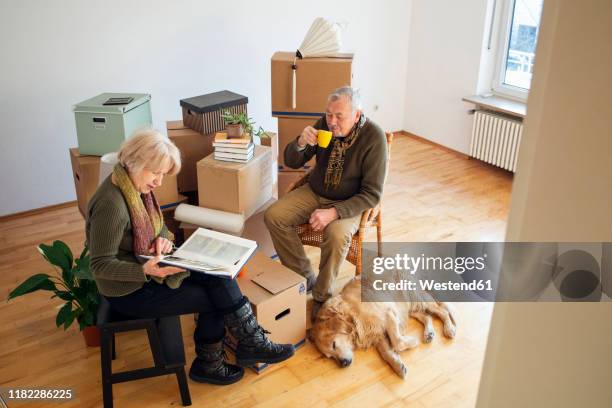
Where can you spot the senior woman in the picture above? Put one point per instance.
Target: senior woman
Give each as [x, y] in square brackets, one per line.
[124, 220]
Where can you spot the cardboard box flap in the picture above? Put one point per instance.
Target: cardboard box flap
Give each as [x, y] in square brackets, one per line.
[274, 282]
[270, 275]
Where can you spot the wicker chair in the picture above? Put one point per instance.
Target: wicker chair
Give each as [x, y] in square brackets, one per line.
[372, 217]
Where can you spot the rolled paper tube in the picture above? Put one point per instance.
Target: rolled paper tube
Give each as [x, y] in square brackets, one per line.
[223, 221]
[107, 164]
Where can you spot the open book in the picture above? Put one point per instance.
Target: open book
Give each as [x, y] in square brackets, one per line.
[212, 253]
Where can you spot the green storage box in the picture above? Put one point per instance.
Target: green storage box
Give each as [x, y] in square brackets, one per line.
[101, 128]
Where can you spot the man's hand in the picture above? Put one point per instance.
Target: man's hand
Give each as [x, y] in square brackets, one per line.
[320, 218]
[160, 246]
[308, 136]
[152, 268]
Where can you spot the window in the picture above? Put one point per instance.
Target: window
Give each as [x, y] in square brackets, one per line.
[516, 55]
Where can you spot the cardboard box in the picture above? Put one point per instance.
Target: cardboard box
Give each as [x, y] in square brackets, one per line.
[272, 142]
[86, 172]
[255, 229]
[288, 130]
[278, 297]
[240, 188]
[168, 213]
[194, 147]
[167, 194]
[286, 179]
[315, 79]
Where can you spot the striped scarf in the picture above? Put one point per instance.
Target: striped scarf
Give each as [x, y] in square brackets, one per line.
[145, 214]
[147, 222]
[335, 165]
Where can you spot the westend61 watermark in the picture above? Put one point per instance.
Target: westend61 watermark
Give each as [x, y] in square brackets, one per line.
[487, 271]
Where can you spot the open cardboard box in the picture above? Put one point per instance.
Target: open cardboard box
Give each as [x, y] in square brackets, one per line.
[278, 298]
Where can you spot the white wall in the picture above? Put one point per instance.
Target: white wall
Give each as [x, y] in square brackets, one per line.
[444, 56]
[55, 54]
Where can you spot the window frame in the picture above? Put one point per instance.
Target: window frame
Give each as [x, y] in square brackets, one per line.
[505, 29]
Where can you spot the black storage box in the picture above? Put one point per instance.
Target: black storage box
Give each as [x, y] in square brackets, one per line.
[203, 113]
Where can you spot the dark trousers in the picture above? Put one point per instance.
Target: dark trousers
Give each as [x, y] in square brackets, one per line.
[207, 295]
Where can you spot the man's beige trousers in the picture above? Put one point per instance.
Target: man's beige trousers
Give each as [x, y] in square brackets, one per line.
[295, 208]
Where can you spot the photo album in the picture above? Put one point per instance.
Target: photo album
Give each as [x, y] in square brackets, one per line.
[212, 253]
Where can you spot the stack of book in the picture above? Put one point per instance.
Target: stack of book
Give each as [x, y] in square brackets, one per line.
[233, 149]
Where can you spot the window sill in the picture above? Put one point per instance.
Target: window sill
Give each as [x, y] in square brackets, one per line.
[499, 104]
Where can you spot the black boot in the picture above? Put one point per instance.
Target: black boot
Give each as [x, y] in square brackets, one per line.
[210, 366]
[253, 346]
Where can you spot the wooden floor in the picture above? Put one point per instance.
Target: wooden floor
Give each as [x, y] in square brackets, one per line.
[431, 195]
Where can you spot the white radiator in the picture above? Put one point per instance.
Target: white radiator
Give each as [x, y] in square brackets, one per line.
[496, 139]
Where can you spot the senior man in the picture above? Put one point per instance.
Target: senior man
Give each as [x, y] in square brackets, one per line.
[346, 180]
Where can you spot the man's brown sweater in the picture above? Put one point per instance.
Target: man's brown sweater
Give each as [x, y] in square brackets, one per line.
[365, 166]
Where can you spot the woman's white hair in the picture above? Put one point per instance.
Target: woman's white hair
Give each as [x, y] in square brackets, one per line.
[351, 94]
[148, 148]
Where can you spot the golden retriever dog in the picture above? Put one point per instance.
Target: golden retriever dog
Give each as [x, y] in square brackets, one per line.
[345, 323]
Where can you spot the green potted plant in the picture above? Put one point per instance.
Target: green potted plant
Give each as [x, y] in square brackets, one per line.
[73, 283]
[266, 138]
[261, 133]
[237, 123]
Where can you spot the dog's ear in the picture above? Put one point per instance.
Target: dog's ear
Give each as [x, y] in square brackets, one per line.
[310, 335]
[345, 320]
[334, 304]
[324, 314]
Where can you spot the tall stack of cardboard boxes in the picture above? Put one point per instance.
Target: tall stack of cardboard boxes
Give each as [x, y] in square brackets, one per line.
[103, 123]
[277, 294]
[315, 78]
[241, 188]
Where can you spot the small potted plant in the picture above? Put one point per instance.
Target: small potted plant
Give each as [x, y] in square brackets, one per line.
[265, 137]
[72, 283]
[237, 123]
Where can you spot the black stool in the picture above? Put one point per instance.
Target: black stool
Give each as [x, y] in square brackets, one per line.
[165, 340]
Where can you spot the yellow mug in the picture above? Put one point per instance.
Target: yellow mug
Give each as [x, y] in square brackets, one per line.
[323, 138]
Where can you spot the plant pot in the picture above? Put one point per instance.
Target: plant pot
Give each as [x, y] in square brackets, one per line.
[234, 130]
[91, 334]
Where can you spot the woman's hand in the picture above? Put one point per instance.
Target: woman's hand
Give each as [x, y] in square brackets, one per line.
[152, 268]
[161, 246]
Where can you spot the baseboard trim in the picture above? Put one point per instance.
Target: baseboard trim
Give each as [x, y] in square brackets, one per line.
[422, 139]
[35, 211]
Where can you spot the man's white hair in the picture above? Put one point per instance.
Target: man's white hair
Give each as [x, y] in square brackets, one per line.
[352, 95]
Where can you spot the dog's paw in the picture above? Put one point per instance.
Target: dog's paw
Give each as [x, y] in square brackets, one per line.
[428, 336]
[408, 342]
[450, 331]
[402, 370]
